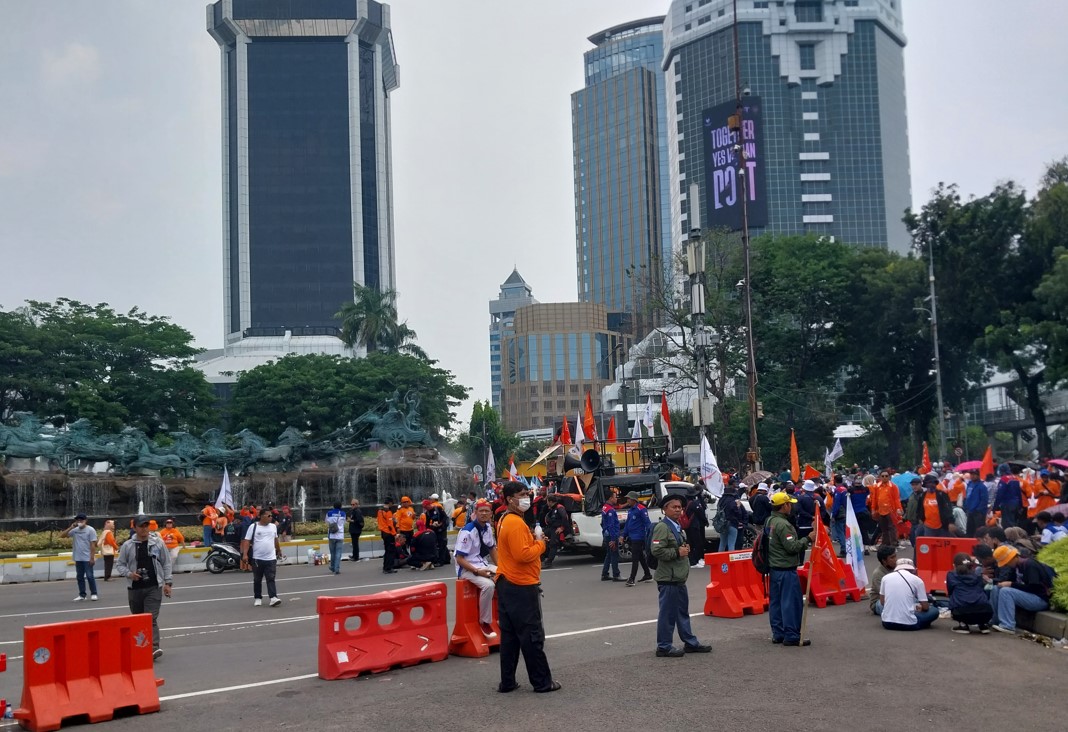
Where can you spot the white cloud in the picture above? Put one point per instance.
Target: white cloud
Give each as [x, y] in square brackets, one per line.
[75, 63]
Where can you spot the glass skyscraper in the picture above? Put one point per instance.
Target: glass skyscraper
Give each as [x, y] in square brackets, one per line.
[830, 79]
[515, 293]
[307, 173]
[622, 198]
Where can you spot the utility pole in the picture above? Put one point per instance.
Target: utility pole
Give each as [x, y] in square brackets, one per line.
[937, 360]
[695, 268]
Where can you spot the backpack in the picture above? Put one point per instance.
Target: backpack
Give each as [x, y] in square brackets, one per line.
[687, 517]
[719, 521]
[762, 550]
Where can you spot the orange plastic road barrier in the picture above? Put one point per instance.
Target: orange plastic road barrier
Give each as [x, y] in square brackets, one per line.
[87, 668]
[822, 593]
[3, 667]
[467, 637]
[934, 559]
[374, 633]
[735, 587]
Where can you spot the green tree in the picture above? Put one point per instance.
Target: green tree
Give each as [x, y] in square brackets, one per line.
[318, 394]
[371, 322]
[67, 360]
[484, 429]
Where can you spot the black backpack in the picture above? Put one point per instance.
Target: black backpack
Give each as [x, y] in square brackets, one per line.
[650, 558]
[762, 550]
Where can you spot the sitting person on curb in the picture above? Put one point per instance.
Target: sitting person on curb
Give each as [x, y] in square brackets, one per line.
[1030, 589]
[968, 601]
[904, 598]
[1051, 527]
[476, 561]
[423, 552]
[887, 556]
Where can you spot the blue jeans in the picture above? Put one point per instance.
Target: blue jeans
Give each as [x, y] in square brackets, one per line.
[728, 539]
[207, 535]
[839, 534]
[611, 557]
[336, 547]
[674, 613]
[1005, 600]
[84, 571]
[924, 618]
[878, 609]
[784, 605]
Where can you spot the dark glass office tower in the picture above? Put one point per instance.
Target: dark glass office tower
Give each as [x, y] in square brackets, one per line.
[307, 174]
[622, 196]
[830, 83]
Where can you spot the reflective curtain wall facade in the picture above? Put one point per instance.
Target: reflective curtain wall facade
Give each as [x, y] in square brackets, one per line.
[307, 192]
[830, 76]
[622, 200]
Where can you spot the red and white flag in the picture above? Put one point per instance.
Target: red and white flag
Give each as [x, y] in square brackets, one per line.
[665, 419]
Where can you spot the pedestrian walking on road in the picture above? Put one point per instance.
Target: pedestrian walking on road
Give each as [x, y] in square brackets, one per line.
[519, 595]
[355, 528]
[108, 547]
[673, 567]
[146, 564]
[335, 525]
[83, 537]
[637, 529]
[610, 539]
[785, 551]
[260, 549]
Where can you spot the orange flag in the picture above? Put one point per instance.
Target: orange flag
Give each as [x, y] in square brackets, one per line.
[810, 473]
[795, 462]
[823, 561]
[589, 427]
[611, 436]
[987, 468]
[565, 433]
[925, 466]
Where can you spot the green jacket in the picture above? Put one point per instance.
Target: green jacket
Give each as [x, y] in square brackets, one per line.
[786, 549]
[671, 568]
[914, 508]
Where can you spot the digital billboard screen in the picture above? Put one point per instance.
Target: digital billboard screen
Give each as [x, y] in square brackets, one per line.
[723, 184]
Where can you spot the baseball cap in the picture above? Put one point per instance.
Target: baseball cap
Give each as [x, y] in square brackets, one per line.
[1005, 554]
[433, 496]
[141, 520]
[780, 498]
[80, 517]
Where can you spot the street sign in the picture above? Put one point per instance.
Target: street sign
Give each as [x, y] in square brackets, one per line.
[958, 451]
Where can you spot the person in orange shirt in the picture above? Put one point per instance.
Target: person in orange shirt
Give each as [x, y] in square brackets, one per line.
[519, 595]
[108, 547]
[885, 503]
[405, 519]
[173, 540]
[936, 513]
[1042, 492]
[388, 529]
[208, 516]
[221, 522]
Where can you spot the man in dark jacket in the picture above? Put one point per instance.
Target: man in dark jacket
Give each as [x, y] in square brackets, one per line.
[735, 516]
[976, 502]
[355, 528]
[673, 567]
[805, 511]
[696, 517]
[1009, 497]
[437, 521]
[1030, 589]
[557, 526]
[786, 549]
[761, 505]
[610, 537]
[636, 530]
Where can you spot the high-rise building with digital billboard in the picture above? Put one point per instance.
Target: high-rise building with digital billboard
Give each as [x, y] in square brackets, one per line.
[307, 173]
[622, 201]
[824, 98]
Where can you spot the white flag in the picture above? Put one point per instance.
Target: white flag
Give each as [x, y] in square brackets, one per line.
[491, 466]
[710, 469]
[637, 433]
[854, 548]
[579, 436]
[513, 474]
[226, 495]
[836, 451]
[647, 418]
[827, 462]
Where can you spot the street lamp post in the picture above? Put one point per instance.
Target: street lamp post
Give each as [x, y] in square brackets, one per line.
[695, 268]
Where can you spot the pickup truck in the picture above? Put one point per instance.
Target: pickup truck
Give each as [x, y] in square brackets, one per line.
[586, 523]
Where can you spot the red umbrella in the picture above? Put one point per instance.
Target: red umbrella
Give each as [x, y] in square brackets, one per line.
[1059, 463]
[970, 465]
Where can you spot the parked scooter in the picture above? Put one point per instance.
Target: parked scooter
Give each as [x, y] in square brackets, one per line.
[222, 557]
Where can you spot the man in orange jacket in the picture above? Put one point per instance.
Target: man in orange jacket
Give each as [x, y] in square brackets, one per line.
[388, 529]
[885, 503]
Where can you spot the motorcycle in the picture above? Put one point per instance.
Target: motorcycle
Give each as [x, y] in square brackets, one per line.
[222, 557]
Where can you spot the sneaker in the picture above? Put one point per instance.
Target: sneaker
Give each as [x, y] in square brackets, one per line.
[94, 598]
[700, 564]
[157, 653]
[276, 601]
[630, 583]
[962, 629]
[487, 630]
[79, 598]
[1003, 629]
[257, 602]
[648, 578]
[944, 613]
[984, 629]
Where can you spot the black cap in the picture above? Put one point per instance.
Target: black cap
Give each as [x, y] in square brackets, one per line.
[80, 517]
[930, 479]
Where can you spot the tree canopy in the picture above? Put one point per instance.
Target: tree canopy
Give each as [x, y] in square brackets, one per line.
[371, 322]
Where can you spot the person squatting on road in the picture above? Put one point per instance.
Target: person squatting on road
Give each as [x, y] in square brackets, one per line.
[673, 556]
[476, 558]
[146, 564]
[260, 549]
[519, 595]
[786, 550]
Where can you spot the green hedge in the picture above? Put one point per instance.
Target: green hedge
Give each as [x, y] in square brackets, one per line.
[1056, 556]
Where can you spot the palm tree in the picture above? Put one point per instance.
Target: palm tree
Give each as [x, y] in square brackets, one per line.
[370, 321]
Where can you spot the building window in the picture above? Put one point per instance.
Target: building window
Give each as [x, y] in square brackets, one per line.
[808, 11]
[688, 26]
[574, 389]
[689, 8]
[807, 52]
[702, 21]
[561, 404]
[852, 3]
[533, 391]
[575, 404]
[760, 5]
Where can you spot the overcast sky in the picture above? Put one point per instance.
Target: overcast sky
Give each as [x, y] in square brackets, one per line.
[110, 156]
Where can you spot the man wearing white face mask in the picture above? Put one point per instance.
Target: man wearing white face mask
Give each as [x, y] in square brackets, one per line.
[519, 595]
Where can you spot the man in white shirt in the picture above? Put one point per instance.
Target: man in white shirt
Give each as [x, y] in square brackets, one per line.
[335, 526]
[476, 561]
[904, 598]
[260, 548]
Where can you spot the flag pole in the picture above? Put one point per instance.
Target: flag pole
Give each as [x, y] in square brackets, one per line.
[808, 582]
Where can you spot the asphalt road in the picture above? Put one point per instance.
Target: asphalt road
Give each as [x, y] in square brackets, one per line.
[601, 638]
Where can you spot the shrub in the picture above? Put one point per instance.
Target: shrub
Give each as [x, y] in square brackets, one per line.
[1056, 556]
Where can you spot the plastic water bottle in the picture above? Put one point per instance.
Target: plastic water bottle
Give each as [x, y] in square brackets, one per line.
[9, 713]
[538, 533]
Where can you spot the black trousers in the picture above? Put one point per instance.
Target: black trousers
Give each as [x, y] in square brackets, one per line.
[263, 569]
[389, 553]
[555, 541]
[443, 546]
[519, 610]
[975, 520]
[695, 537]
[637, 556]
[354, 532]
